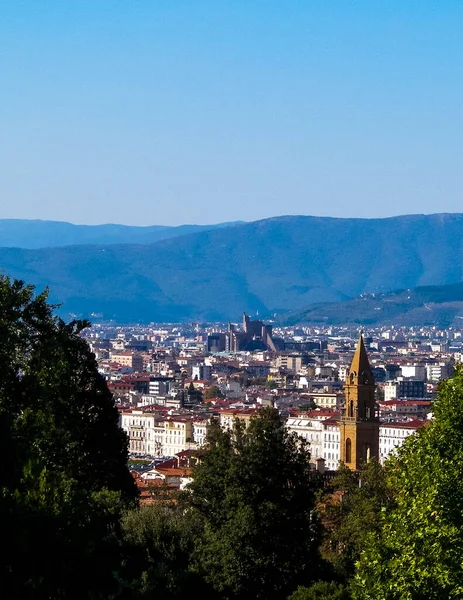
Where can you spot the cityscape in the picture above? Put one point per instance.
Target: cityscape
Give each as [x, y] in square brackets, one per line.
[170, 380]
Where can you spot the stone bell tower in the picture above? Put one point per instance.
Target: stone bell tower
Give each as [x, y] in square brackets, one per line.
[359, 425]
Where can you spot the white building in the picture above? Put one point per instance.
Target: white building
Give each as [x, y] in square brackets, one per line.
[153, 434]
[392, 435]
[159, 386]
[324, 436]
[327, 399]
[200, 429]
[321, 430]
[438, 372]
[201, 372]
[140, 428]
[342, 372]
[331, 443]
[227, 417]
[417, 372]
[310, 430]
[177, 435]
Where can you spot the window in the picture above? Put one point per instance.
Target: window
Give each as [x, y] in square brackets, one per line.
[348, 450]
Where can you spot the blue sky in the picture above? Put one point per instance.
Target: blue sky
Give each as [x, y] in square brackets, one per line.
[169, 111]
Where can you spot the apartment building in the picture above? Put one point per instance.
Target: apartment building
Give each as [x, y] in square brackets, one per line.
[154, 434]
[321, 430]
[438, 372]
[133, 360]
[227, 417]
[323, 436]
[331, 443]
[310, 430]
[393, 435]
[291, 362]
[404, 388]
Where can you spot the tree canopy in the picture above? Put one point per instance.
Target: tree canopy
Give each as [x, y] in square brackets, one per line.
[158, 542]
[350, 510]
[212, 392]
[418, 551]
[63, 474]
[254, 493]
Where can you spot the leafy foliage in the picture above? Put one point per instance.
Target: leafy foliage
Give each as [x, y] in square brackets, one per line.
[158, 542]
[419, 550]
[63, 474]
[212, 392]
[350, 511]
[321, 590]
[254, 493]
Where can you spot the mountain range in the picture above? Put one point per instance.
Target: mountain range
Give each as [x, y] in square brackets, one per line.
[271, 266]
[22, 233]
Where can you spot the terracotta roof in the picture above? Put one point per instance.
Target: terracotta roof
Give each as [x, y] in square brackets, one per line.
[412, 424]
[174, 471]
[405, 402]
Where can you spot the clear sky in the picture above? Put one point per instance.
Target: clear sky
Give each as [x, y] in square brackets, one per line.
[191, 111]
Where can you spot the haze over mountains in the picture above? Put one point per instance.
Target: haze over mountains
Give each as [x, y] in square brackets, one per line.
[21, 233]
[272, 266]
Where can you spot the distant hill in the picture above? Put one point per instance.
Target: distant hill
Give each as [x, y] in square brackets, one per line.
[33, 234]
[428, 305]
[278, 264]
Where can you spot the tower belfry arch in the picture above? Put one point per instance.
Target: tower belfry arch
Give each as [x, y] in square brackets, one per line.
[359, 423]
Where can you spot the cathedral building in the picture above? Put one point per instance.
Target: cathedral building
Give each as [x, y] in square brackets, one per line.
[254, 335]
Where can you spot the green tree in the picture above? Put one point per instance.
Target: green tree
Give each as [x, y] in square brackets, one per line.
[418, 552]
[63, 473]
[212, 392]
[254, 492]
[194, 394]
[271, 384]
[308, 406]
[350, 510]
[321, 590]
[158, 542]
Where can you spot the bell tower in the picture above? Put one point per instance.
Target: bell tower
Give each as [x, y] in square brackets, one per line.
[359, 424]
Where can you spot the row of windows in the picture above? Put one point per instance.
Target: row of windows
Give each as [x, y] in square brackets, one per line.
[139, 422]
[147, 423]
[305, 435]
[399, 433]
[388, 442]
[333, 455]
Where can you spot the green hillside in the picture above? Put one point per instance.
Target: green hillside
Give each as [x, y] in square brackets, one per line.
[429, 305]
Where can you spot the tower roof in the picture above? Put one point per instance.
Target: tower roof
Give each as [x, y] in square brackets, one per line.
[360, 366]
